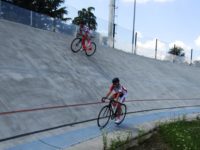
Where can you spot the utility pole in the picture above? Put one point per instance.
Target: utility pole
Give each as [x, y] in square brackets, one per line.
[156, 48]
[111, 24]
[114, 25]
[135, 48]
[191, 57]
[133, 34]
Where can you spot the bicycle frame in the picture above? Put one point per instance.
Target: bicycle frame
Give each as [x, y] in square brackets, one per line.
[84, 38]
[114, 109]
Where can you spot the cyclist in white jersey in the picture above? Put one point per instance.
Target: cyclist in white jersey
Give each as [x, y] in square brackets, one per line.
[119, 95]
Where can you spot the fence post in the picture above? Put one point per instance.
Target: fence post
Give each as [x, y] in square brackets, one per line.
[173, 55]
[191, 57]
[31, 18]
[135, 48]
[0, 10]
[156, 48]
[54, 24]
[114, 27]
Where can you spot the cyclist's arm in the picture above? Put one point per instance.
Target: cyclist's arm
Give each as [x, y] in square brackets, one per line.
[110, 91]
[108, 94]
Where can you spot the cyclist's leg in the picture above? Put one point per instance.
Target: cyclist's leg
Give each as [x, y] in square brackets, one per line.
[88, 45]
[113, 98]
[83, 42]
[119, 109]
[123, 98]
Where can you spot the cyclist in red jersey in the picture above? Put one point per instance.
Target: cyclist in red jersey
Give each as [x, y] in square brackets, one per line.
[119, 95]
[85, 32]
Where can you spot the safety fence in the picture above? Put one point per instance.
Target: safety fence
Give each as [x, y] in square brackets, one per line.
[144, 46]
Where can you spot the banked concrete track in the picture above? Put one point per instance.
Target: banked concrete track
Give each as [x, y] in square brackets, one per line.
[38, 70]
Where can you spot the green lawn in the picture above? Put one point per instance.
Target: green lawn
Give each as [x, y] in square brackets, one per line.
[181, 135]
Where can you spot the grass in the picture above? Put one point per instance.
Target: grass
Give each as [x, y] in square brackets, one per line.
[117, 141]
[179, 135]
[182, 135]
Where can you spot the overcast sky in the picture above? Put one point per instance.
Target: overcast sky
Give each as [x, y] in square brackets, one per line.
[171, 21]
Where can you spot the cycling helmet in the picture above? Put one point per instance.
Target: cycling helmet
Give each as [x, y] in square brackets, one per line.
[115, 80]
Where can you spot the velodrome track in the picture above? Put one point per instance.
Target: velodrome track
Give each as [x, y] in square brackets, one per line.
[43, 85]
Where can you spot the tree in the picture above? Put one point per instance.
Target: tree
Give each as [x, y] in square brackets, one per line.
[86, 17]
[178, 51]
[24, 4]
[51, 8]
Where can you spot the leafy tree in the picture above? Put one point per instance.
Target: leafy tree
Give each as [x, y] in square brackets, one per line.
[25, 4]
[178, 51]
[51, 8]
[86, 17]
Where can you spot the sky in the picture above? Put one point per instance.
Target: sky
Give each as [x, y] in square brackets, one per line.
[170, 21]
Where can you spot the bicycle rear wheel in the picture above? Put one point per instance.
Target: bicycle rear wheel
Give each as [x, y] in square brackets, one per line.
[104, 116]
[91, 49]
[76, 45]
[122, 114]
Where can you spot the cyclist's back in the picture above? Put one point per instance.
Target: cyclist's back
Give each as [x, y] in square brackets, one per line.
[84, 29]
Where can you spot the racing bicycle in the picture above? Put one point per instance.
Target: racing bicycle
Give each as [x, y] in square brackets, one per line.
[83, 42]
[111, 111]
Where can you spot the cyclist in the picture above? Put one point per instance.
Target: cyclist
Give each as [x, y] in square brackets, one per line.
[119, 95]
[85, 32]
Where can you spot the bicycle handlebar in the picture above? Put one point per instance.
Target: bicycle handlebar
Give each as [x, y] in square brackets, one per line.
[110, 100]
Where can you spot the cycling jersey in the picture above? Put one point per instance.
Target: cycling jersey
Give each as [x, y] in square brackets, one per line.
[118, 89]
[84, 28]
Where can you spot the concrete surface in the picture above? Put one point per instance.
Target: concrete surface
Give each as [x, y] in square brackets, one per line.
[38, 69]
[89, 136]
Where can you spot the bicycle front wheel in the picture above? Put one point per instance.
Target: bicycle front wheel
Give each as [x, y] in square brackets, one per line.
[76, 45]
[91, 50]
[122, 114]
[104, 116]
